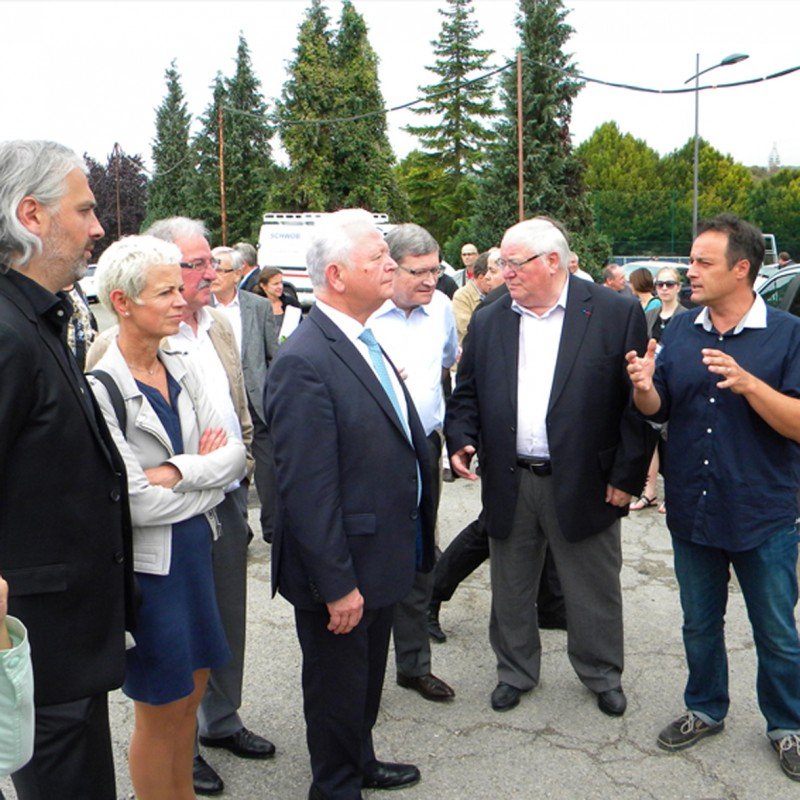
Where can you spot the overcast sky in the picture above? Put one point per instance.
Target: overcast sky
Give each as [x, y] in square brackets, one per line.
[90, 74]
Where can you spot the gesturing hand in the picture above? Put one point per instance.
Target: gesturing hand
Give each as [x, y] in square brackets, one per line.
[735, 378]
[641, 370]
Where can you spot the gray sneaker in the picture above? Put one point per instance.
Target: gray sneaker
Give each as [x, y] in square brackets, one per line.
[686, 731]
[789, 754]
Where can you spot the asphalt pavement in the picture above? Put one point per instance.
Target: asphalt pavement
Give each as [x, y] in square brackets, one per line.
[555, 744]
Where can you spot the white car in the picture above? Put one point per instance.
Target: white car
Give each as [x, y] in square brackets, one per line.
[88, 283]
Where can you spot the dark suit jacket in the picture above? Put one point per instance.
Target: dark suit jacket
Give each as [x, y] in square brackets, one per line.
[251, 281]
[347, 515]
[65, 537]
[595, 436]
[259, 345]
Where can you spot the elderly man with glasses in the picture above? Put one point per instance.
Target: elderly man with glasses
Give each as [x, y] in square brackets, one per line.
[542, 394]
[417, 330]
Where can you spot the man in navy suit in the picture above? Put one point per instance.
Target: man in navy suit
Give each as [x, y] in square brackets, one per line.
[542, 394]
[355, 513]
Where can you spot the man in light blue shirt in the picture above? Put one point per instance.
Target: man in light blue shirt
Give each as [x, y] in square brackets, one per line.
[417, 330]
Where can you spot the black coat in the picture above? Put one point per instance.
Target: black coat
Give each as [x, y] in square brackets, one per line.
[595, 436]
[65, 536]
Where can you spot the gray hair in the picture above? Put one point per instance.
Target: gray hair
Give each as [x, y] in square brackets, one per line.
[237, 260]
[541, 235]
[35, 169]
[333, 241]
[125, 264]
[173, 228]
[247, 251]
[410, 240]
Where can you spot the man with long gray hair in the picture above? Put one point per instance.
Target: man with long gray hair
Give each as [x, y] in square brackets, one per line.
[65, 537]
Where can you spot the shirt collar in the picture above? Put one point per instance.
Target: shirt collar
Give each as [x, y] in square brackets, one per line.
[389, 307]
[55, 308]
[560, 303]
[756, 317]
[350, 327]
[204, 322]
[234, 302]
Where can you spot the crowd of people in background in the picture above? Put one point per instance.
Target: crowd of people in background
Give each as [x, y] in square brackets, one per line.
[571, 394]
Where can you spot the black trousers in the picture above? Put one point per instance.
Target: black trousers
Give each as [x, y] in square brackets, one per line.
[469, 550]
[342, 686]
[72, 756]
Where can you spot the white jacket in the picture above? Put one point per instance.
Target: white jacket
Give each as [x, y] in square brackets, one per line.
[146, 444]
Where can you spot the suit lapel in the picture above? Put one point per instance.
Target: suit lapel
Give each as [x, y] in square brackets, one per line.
[346, 351]
[576, 322]
[509, 341]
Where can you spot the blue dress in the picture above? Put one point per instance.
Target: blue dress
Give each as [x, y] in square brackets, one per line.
[179, 629]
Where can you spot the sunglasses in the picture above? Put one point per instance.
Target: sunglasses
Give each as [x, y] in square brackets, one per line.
[667, 284]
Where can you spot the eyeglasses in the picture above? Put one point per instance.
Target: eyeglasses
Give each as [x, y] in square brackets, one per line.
[225, 271]
[470, 253]
[517, 265]
[201, 263]
[433, 272]
[667, 284]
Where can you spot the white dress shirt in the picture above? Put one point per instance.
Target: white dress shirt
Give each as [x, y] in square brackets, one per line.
[539, 340]
[201, 350]
[420, 344]
[233, 313]
[352, 329]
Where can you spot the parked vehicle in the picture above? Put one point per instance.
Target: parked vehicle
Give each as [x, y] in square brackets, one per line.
[283, 242]
[89, 283]
[782, 290]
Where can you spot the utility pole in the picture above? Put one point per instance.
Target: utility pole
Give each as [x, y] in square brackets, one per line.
[222, 208]
[520, 151]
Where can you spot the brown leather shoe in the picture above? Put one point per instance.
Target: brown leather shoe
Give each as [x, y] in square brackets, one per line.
[429, 686]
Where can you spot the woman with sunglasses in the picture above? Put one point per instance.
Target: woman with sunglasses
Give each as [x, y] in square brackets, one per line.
[667, 285]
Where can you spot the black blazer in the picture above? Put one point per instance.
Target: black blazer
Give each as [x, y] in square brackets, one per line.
[595, 436]
[347, 475]
[65, 536]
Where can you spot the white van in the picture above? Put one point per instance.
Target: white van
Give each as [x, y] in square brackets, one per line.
[283, 242]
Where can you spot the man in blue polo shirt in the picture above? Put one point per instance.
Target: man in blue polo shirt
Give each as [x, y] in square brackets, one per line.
[728, 379]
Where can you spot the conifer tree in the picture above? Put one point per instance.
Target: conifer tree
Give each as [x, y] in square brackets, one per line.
[363, 158]
[458, 140]
[170, 187]
[308, 94]
[553, 175]
[247, 151]
[205, 195]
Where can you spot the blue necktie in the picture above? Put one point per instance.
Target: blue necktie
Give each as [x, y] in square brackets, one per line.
[376, 357]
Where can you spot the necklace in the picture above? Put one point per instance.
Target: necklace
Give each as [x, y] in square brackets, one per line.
[150, 372]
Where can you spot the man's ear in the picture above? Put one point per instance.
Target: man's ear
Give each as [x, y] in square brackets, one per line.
[333, 272]
[32, 215]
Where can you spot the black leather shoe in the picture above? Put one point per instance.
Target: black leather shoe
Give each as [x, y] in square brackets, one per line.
[243, 743]
[434, 628]
[385, 775]
[429, 686]
[612, 702]
[505, 697]
[205, 779]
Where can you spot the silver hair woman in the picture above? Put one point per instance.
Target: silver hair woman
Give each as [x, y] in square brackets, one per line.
[178, 459]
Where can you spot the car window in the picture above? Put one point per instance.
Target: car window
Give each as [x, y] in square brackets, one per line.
[774, 291]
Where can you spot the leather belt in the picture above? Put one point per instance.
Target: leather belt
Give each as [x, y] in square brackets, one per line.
[536, 465]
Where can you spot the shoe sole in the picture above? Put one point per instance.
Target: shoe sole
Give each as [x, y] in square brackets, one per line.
[672, 748]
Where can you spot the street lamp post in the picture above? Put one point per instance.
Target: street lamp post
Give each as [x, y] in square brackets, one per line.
[734, 58]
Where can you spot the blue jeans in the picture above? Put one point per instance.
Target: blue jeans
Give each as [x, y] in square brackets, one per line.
[768, 578]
